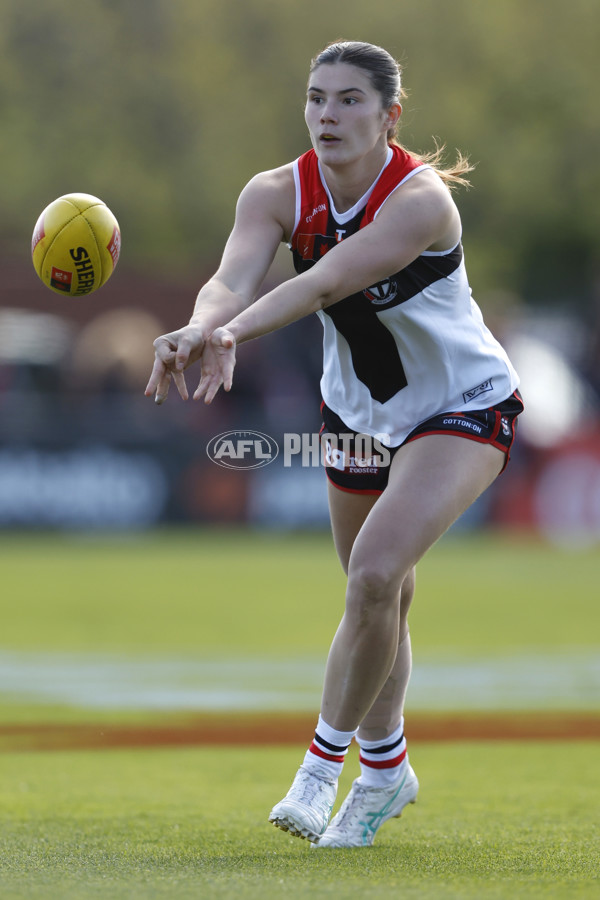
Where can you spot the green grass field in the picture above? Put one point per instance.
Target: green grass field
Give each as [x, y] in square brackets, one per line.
[228, 591]
[493, 820]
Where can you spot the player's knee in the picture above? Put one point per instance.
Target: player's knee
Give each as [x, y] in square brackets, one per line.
[373, 585]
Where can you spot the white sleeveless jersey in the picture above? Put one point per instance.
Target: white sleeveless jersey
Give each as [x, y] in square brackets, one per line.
[410, 347]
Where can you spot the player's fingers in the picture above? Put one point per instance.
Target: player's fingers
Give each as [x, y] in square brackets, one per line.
[208, 386]
[182, 353]
[162, 388]
[227, 341]
[212, 389]
[227, 358]
[221, 338]
[227, 372]
[179, 380]
[168, 365]
[203, 385]
[156, 376]
[164, 348]
[200, 390]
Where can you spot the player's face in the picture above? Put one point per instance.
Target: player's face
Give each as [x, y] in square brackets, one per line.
[344, 114]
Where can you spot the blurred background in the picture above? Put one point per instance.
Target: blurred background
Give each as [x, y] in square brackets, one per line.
[165, 110]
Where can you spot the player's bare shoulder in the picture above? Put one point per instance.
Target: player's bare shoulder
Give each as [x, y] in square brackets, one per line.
[425, 200]
[271, 194]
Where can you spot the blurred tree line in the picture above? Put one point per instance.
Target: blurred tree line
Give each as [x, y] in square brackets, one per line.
[165, 108]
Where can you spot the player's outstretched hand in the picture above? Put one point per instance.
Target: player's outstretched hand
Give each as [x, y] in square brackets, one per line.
[218, 363]
[174, 352]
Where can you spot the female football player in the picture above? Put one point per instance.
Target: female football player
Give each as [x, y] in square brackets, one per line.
[408, 365]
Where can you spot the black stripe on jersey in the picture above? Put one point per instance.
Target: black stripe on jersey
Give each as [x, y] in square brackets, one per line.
[375, 356]
[418, 275]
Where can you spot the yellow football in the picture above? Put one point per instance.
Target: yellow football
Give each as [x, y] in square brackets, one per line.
[75, 245]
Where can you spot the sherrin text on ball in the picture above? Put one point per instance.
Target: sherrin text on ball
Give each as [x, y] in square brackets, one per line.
[76, 245]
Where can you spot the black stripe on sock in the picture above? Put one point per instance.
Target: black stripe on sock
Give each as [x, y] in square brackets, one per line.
[328, 746]
[385, 749]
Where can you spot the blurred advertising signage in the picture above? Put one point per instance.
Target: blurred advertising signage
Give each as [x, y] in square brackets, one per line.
[556, 492]
[98, 487]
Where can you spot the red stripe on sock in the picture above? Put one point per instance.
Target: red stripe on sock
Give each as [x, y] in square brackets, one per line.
[383, 763]
[328, 756]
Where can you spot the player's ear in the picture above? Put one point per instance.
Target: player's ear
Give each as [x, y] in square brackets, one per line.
[393, 115]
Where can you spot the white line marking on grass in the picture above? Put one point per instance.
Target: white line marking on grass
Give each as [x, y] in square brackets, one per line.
[562, 681]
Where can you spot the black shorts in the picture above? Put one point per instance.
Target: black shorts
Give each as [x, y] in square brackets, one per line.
[359, 464]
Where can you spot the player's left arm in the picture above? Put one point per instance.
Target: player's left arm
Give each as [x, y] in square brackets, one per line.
[419, 216]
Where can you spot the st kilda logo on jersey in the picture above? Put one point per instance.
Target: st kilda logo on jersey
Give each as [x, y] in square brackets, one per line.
[382, 292]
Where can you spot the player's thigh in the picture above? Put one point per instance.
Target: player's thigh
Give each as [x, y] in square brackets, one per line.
[432, 481]
[347, 511]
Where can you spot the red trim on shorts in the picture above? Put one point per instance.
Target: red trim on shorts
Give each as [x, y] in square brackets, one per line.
[496, 430]
[499, 411]
[470, 437]
[460, 434]
[382, 763]
[349, 490]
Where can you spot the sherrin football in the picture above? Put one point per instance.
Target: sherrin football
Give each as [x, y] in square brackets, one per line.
[75, 245]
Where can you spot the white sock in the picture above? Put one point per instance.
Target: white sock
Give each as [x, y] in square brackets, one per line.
[382, 763]
[327, 753]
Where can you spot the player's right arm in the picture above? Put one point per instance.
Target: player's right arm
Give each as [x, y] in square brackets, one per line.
[264, 217]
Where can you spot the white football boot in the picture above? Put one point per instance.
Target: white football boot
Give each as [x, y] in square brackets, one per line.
[365, 809]
[306, 808]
